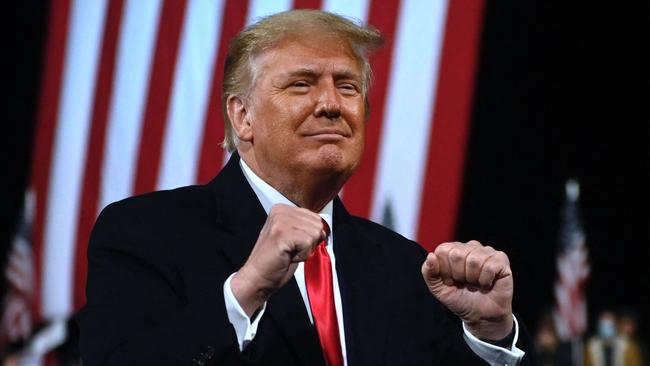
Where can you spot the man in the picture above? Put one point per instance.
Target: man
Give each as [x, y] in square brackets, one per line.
[263, 265]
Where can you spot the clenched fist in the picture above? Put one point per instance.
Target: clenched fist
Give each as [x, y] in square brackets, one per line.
[288, 237]
[475, 283]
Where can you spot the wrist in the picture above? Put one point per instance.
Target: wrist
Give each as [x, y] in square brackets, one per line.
[249, 295]
[492, 330]
[506, 342]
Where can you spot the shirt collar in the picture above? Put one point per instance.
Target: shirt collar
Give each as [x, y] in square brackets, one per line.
[269, 196]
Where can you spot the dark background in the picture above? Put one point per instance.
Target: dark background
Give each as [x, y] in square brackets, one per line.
[561, 92]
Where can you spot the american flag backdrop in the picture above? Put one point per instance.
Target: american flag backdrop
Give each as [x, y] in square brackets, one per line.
[130, 103]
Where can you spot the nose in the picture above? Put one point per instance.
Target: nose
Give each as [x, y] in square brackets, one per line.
[328, 104]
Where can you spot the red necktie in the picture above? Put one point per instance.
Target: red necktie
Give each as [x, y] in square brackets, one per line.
[318, 280]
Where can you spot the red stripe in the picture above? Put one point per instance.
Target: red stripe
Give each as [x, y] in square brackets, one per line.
[307, 4]
[95, 149]
[359, 189]
[160, 82]
[234, 18]
[45, 131]
[444, 170]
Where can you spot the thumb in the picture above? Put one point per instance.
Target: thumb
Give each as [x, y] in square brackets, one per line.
[431, 275]
[431, 269]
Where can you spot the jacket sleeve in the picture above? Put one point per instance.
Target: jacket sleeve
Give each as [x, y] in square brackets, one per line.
[137, 312]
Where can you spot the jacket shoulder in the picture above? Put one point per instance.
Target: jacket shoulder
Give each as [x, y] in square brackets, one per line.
[166, 204]
[160, 215]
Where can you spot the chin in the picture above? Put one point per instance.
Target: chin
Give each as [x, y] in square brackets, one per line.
[333, 160]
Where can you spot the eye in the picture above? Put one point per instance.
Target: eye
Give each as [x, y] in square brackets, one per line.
[348, 88]
[300, 84]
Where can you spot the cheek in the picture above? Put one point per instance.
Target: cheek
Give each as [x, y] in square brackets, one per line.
[267, 121]
[360, 143]
[362, 136]
[287, 114]
[356, 119]
[357, 125]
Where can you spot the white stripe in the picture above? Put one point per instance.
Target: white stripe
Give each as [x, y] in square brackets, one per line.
[356, 9]
[405, 133]
[262, 8]
[190, 94]
[134, 60]
[73, 122]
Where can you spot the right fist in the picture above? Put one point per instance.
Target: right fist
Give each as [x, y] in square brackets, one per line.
[288, 237]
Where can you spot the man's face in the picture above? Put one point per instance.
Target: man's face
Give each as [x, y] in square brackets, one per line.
[306, 111]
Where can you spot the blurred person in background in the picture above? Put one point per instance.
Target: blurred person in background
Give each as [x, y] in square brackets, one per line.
[608, 347]
[551, 351]
[628, 321]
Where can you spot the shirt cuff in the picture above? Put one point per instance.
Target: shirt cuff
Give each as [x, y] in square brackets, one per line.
[495, 355]
[244, 328]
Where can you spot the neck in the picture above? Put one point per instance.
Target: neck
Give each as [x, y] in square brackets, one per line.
[306, 189]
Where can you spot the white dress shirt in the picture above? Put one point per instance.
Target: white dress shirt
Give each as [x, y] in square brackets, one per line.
[245, 328]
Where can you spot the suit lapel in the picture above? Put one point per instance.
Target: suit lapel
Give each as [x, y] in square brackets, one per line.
[240, 218]
[362, 271]
[288, 311]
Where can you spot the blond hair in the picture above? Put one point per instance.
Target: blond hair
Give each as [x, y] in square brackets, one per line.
[270, 31]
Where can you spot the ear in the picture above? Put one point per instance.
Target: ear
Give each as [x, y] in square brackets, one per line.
[239, 117]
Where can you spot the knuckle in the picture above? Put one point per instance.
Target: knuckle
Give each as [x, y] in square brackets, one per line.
[443, 248]
[276, 209]
[304, 241]
[316, 234]
[307, 213]
[277, 215]
[424, 270]
[276, 228]
[491, 269]
[315, 216]
[503, 257]
[473, 262]
[456, 255]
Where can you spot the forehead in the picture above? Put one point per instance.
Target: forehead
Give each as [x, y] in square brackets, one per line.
[318, 53]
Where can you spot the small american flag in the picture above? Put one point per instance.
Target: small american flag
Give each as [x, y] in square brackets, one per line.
[570, 313]
[16, 321]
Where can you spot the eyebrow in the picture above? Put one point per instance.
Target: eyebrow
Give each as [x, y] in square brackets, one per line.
[308, 72]
[303, 71]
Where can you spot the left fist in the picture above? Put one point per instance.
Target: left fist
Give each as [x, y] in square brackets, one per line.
[475, 283]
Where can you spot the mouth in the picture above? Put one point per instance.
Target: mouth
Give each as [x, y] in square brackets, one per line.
[328, 134]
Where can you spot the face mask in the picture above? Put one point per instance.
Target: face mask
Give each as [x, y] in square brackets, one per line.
[606, 329]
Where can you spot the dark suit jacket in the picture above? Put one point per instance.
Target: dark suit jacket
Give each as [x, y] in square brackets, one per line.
[157, 264]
